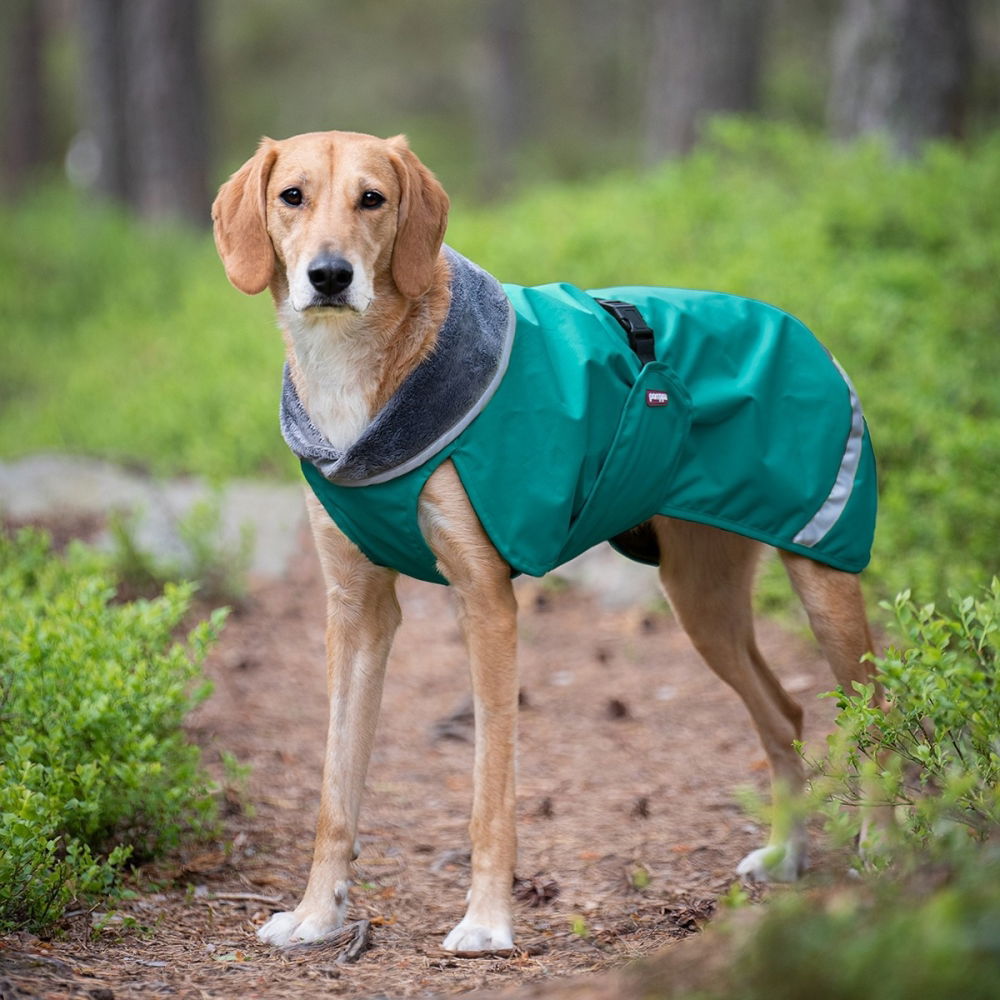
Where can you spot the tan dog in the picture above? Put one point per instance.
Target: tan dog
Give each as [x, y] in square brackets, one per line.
[346, 232]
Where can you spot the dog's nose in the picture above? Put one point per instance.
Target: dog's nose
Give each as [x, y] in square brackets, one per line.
[330, 275]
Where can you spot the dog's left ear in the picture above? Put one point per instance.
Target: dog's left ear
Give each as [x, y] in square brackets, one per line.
[239, 222]
[423, 218]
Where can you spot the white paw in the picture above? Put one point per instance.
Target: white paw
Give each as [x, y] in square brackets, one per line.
[469, 936]
[285, 929]
[774, 863]
[306, 925]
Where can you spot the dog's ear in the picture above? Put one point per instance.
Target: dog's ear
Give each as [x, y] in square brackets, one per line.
[239, 222]
[423, 218]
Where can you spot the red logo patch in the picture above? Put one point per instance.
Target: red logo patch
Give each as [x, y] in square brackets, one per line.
[656, 397]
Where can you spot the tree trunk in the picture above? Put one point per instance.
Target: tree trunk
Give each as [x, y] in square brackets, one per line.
[900, 67]
[706, 57]
[104, 83]
[165, 109]
[503, 111]
[24, 122]
[145, 104]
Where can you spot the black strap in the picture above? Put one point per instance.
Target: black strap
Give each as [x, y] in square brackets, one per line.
[640, 333]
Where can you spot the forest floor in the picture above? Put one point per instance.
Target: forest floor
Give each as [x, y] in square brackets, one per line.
[632, 757]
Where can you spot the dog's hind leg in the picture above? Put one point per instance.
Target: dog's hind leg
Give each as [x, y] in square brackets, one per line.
[707, 575]
[836, 610]
[488, 616]
[362, 616]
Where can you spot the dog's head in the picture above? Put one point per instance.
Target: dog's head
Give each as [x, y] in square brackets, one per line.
[327, 218]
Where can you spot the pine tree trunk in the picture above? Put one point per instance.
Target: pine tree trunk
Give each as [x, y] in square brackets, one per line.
[706, 57]
[901, 68]
[24, 134]
[165, 109]
[104, 84]
[503, 111]
[145, 104]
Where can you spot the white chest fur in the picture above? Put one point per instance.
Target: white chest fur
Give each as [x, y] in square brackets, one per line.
[335, 360]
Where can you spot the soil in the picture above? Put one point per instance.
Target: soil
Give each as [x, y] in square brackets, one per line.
[632, 758]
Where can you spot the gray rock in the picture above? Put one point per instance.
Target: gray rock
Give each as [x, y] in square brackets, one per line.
[53, 486]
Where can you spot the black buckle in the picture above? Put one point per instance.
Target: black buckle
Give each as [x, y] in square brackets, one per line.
[640, 333]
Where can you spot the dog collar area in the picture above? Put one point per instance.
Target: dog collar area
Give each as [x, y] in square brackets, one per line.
[437, 400]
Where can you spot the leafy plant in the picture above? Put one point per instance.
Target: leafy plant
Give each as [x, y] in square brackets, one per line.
[925, 920]
[94, 765]
[219, 568]
[934, 934]
[932, 750]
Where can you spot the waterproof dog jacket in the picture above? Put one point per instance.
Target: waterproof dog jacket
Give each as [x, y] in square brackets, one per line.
[563, 438]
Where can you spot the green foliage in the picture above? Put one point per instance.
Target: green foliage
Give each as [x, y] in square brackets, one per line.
[934, 935]
[932, 751]
[128, 342]
[925, 920]
[131, 344]
[94, 765]
[220, 569]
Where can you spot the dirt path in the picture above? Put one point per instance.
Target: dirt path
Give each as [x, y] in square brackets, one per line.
[631, 756]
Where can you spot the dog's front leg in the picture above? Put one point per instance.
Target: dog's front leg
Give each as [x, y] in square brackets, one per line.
[488, 616]
[362, 616]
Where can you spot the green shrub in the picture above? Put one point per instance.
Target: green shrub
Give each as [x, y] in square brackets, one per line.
[934, 934]
[127, 342]
[219, 568]
[932, 751]
[925, 921]
[94, 765]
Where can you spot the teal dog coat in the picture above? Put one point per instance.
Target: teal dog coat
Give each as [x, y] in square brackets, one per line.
[563, 438]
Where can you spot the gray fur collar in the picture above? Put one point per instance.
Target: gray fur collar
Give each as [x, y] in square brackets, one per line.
[439, 398]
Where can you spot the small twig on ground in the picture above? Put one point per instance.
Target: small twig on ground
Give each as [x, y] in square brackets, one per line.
[455, 856]
[243, 897]
[355, 939]
[518, 951]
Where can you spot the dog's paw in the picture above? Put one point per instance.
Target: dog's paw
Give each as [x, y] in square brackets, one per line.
[305, 925]
[286, 929]
[774, 863]
[469, 936]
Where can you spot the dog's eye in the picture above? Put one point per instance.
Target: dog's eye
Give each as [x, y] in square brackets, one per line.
[291, 196]
[372, 199]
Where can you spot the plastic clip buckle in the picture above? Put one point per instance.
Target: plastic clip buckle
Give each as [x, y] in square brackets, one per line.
[640, 333]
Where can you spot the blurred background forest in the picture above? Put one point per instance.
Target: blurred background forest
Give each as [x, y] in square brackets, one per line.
[153, 101]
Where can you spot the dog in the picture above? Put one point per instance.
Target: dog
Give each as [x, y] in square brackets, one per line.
[346, 232]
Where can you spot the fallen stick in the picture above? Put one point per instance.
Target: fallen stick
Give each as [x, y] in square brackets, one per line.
[241, 897]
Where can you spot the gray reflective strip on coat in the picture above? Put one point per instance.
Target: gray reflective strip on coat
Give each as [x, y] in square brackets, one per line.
[829, 513]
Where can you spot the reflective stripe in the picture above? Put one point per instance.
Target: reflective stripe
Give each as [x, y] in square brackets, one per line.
[829, 512]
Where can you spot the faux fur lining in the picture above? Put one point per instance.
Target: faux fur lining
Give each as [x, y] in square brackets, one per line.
[435, 403]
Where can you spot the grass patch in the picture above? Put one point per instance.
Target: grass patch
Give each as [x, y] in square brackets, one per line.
[127, 342]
